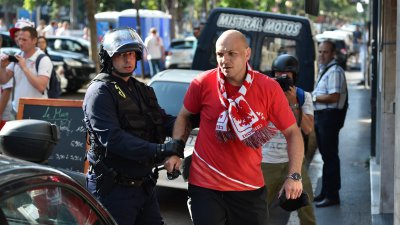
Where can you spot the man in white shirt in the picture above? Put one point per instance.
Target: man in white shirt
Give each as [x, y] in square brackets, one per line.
[330, 97]
[50, 29]
[155, 51]
[29, 82]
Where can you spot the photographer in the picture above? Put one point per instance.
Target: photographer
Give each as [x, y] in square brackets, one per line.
[275, 156]
[29, 81]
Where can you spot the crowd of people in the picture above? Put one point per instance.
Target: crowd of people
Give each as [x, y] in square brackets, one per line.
[233, 179]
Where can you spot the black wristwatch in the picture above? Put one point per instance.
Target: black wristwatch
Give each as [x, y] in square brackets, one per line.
[294, 176]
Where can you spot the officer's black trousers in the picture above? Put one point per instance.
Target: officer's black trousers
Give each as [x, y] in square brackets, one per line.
[327, 128]
[130, 205]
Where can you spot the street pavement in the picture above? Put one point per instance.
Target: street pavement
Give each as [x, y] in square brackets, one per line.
[354, 151]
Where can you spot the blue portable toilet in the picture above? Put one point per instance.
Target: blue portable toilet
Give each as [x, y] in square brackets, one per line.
[127, 18]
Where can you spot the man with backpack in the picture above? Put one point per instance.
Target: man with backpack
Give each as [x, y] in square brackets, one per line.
[330, 97]
[29, 81]
[275, 162]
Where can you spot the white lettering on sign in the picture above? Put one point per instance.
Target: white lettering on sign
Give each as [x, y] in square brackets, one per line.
[246, 23]
[282, 27]
[257, 24]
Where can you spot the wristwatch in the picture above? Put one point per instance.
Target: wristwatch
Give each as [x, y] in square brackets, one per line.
[294, 176]
[314, 98]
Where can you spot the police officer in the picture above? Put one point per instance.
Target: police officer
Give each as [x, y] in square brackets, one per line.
[127, 130]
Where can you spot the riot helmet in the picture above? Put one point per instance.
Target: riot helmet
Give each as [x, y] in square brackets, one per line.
[286, 63]
[119, 40]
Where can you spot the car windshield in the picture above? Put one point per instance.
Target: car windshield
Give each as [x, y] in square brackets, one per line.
[170, 95]
[184, 44]
[47, 205]
[68, 45]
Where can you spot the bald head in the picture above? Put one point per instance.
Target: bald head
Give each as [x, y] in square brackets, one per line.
[233, 53]
[232, 36]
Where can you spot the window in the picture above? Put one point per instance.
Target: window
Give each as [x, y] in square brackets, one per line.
[182, 44]
[68, 45]
[48, 205]
[271, 48]
[170, 95]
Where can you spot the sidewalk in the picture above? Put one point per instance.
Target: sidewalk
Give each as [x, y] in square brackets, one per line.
[354, 151]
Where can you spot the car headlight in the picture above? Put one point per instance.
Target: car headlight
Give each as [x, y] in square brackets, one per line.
[73, 63]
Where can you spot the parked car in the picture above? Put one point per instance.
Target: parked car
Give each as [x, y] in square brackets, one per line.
[170, 87]
[78, 68]
[7, 41]
[341, 47]
[31, 193]
[180, 53]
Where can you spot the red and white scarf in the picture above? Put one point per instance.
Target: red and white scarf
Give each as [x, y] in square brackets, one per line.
[239, 116]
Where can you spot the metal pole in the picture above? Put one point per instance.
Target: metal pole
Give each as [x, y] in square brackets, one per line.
[374, 72]
[138, 29]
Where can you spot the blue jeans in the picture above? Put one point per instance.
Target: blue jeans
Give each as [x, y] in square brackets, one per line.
[155, 66]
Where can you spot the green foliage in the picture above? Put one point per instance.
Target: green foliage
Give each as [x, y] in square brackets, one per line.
[242, 4]
[18, 3]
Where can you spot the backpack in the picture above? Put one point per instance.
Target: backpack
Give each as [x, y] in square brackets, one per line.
[54, 89]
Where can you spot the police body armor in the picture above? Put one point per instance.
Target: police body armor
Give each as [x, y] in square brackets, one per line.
[142, 118]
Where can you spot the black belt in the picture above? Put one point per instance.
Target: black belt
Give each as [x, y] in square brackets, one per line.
[126, 181]
[325, 110]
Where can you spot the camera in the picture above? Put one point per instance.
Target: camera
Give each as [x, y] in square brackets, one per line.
[285, 82]
[12, 58]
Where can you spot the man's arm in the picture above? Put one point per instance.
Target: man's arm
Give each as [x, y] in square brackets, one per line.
[39, 82]
[183, 125]
[295, 148]
[307, 123]
[307, 119]
[182, 129]
[5, 75]
[5, 97]
[330, 98]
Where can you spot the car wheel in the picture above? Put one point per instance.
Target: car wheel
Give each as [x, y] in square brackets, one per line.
[73, 86]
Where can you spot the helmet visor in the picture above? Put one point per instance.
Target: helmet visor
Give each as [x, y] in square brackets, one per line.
[122, 40]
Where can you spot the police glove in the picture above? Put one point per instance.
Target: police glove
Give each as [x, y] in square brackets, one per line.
[173, 147]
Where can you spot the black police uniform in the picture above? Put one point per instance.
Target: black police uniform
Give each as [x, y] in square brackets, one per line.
[125, 124]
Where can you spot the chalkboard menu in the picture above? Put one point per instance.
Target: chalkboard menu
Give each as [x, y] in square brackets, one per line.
[69, 153]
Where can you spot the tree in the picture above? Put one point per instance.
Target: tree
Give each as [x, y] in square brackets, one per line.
[244, 4]
[90, 6]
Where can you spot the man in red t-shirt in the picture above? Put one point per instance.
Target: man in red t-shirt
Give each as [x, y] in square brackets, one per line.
[235, 103]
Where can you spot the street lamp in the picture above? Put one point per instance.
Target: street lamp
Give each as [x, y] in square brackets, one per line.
[136, 3]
